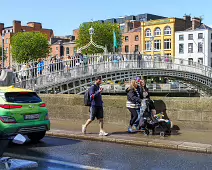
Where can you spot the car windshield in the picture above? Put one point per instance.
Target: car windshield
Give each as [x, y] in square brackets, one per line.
[22, 97]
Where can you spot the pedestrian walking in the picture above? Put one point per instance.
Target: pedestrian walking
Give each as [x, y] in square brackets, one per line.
[96, 109]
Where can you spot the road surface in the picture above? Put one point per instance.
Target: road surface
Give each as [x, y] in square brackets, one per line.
[56, 154]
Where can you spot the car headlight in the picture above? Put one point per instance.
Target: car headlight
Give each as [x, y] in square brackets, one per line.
[7, 119]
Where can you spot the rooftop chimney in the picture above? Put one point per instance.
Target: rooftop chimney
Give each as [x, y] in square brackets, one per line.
[196, 22]
[1, 27]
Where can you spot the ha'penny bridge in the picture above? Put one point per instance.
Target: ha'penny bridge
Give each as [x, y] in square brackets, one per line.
[74, 76]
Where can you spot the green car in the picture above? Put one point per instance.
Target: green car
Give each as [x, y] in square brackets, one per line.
[22, 112]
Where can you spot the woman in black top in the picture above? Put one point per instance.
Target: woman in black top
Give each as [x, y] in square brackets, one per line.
[133, 103]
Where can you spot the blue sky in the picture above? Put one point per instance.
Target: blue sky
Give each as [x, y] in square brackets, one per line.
[65, 15]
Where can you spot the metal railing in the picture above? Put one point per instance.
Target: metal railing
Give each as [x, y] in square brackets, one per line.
[34, 75]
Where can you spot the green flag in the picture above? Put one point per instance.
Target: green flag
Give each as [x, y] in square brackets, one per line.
[115, 43]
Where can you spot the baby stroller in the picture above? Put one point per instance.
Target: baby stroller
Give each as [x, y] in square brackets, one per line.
[154, 123]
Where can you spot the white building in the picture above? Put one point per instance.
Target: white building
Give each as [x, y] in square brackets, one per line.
[195, 44]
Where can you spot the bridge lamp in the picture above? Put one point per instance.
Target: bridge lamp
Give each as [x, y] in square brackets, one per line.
[152, 39]
[91, 31]
[2, 36]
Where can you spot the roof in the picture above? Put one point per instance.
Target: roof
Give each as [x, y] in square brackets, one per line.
[136, 30]
[13, 89]
[201, 27]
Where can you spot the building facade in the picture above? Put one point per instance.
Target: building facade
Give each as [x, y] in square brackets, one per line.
[63, 46]
[8, 32]
[158, 36]
[195, 44]
[132, 41]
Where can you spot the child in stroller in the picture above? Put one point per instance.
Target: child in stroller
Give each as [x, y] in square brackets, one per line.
[150, 121]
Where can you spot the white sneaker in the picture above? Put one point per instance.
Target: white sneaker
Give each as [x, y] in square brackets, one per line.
[130, 130]
[83, 129]
[103, 134]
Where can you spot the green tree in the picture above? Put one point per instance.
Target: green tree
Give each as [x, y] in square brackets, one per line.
[29, 46]
[103, 35]
[1, 54]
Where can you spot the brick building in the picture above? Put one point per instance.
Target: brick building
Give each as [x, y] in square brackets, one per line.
[63, 46]
[132, 41]
[8, 32]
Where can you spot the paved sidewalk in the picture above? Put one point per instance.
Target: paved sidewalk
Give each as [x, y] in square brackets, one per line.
[191, 140]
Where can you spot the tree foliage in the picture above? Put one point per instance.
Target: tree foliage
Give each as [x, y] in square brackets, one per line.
[103, 35]
[28, 46]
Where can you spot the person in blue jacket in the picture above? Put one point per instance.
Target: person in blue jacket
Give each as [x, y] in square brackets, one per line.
[40, 66]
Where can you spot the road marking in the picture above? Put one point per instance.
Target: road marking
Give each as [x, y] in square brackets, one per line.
[95, 154]
[73, 165]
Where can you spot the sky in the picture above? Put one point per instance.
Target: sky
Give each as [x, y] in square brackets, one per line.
[63, 16]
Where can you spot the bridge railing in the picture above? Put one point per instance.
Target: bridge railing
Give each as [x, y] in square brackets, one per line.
[34, 75]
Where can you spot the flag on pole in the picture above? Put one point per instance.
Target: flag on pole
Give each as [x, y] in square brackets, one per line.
[115, 43]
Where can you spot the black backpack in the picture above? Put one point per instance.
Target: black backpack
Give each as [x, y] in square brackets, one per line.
[87, 100]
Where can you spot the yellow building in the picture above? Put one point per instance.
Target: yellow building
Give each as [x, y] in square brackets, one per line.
[160, 34]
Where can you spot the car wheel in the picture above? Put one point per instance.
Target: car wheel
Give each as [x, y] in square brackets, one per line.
[36, 136]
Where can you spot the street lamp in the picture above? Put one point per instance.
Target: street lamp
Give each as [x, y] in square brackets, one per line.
[91, 32]
[152, 42]
[2, 50]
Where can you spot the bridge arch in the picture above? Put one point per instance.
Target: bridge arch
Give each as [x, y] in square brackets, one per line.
[79, 85]
[115, 67]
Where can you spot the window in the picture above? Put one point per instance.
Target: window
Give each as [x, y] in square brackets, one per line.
[75, 50]
[190, 47]
[148, 33]
[181, 48]
[200, 61]
[7, 41]
[190, 36]
[190, 61]
[200, 47]
[56, 48]
[136, 48]
[157, 44]
[211, 47]
[200, 36]
[122, 28]
[19, 97]
[67, 50]
[181, 37]
[157, 32]
[136, 38]
[126, 48]
[167, 31]
[126, 38]
[148, 45]
[7, 50]
[211, 62]
[167, 44]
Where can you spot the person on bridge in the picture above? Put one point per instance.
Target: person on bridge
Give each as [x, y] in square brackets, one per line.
[96, 109]
[133, 103]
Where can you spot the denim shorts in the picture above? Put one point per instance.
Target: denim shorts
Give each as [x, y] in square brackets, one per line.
[96, 112]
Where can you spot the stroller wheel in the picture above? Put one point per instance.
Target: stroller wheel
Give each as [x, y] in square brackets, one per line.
[162, 134]
[146, 132]
[169, 132]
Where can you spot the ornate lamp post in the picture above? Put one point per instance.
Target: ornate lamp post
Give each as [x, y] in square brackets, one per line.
[91, 32]
[2, 51]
